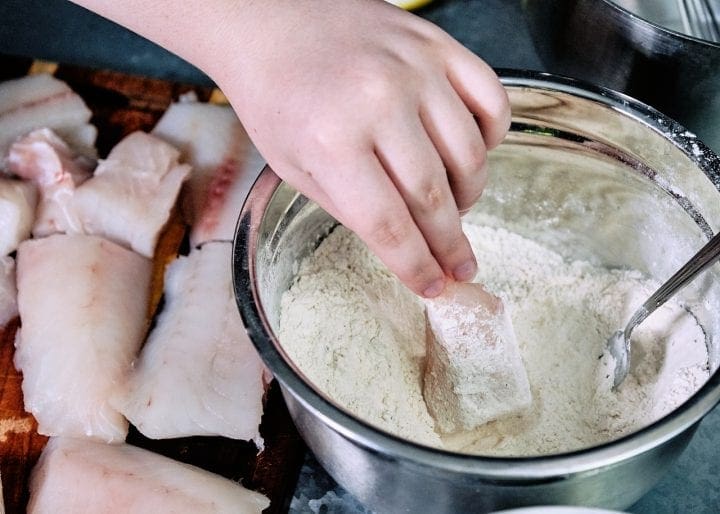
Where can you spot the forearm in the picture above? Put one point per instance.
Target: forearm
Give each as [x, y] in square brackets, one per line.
[197, 31]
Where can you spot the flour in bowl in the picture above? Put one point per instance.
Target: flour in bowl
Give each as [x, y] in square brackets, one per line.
[359, 336]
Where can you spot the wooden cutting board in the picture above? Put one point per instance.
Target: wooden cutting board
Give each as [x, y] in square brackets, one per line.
[121, 104]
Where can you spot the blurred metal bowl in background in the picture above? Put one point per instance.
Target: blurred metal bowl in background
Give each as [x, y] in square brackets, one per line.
[696, 18]
[641, 52]
[625, 185]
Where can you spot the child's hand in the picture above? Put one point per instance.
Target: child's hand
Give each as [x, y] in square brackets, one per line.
[376, 114]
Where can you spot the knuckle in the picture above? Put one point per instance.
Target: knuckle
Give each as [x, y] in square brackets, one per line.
[322, 134]
[431, 197]
[468, 182]
[500, 115]
[377, 89]
[467, 200]
[473, 164]
[381, 82]
[453, 249]
[434, 197]
[390, 232]
[420, 275]
[419, 272]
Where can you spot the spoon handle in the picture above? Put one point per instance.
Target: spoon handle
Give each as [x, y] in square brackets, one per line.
[705, 257]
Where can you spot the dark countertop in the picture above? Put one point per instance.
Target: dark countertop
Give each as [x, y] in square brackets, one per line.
[495, 29]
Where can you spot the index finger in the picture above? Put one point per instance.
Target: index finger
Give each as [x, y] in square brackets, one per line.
[373, 208]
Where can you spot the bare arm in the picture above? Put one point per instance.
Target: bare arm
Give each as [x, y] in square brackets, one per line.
[376, 114]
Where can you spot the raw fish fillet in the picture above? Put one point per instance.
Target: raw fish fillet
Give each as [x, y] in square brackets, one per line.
[131, 195]
[474, 371]
[8, 291]
[44, 159]
[83, 306]
[37, 101]
[17, 213]
[225, 164]
[198, 373]
[80, 476]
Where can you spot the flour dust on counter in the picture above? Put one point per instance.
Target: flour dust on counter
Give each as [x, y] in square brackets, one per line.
[318, 493]
[359, 336]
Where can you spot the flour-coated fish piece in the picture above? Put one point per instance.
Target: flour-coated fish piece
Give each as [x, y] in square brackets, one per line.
[474, 371]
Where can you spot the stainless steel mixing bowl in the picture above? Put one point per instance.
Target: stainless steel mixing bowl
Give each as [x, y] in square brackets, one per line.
[627, 187]
[601, 42]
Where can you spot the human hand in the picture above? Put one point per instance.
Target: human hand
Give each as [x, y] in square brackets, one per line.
[381, 118]
[376, 114]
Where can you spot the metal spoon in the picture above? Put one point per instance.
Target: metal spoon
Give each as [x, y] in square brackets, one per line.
[619, 343]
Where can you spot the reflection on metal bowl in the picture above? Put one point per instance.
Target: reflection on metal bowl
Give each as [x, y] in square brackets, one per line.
[601, 42]
[660, 201]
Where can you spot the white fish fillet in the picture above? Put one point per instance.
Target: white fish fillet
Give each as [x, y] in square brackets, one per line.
[198, 373]
[131, 195]
[8, 291]
[83, 307]
[79, 476]
[43, 158]
[41, 100]
[225, 164]
[17, 213]
[474, 371]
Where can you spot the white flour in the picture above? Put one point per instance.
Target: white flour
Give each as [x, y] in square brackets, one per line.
[360, 338]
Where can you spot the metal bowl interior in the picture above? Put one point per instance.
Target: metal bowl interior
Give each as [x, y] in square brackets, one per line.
[625, 186]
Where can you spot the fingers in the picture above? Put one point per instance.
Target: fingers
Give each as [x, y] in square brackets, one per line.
[457, 138]
[481, 91]
[369, 204]
[417, 171]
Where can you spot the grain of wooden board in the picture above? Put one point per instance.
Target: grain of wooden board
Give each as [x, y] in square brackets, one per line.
[121, 104]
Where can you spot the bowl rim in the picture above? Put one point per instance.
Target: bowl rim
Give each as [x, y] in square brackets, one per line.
[586, 460]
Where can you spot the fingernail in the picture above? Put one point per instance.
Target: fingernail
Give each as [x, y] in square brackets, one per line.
[434, 289]
[465, 271]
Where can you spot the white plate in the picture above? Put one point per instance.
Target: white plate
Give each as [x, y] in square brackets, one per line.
[558, 510]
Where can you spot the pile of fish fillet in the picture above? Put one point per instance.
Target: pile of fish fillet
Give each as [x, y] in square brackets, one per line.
[77, 239]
